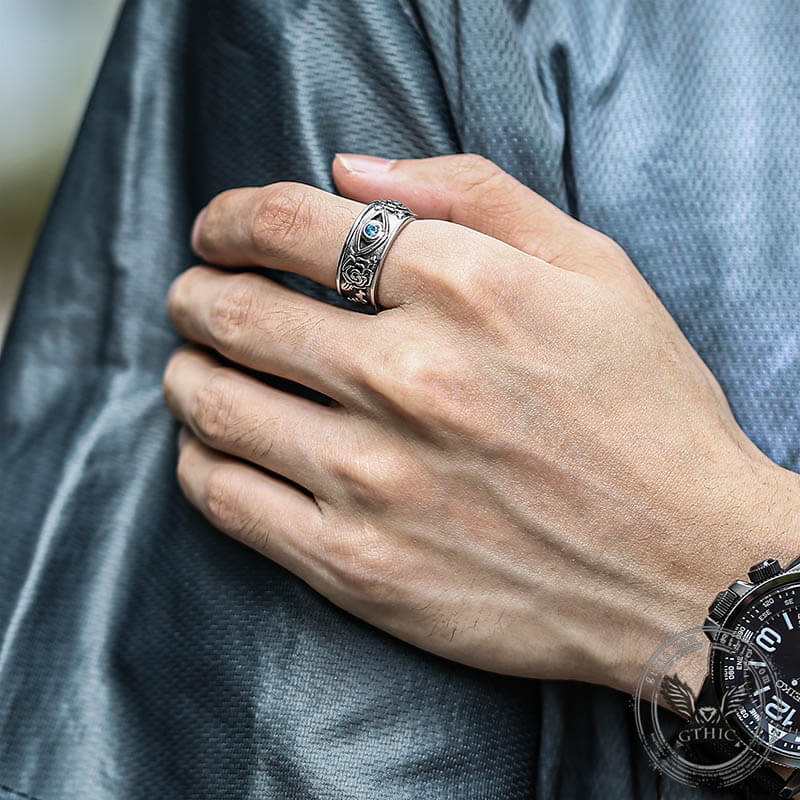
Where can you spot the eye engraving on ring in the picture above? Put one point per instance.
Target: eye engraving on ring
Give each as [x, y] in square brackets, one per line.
[365, 249]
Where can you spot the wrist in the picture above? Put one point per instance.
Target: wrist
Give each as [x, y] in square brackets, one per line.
[752, 513]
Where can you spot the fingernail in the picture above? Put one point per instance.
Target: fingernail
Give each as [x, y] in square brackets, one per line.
[183, 435]
[353, 162]
[196, 227]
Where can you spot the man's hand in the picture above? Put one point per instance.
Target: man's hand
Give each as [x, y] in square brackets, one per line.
[526, 466]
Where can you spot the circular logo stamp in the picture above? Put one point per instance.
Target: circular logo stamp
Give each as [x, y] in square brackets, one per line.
[710, 745]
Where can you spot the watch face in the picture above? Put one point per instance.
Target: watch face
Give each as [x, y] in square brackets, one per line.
[769, 618]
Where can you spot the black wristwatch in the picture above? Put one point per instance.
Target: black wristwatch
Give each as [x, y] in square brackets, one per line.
[764, 610]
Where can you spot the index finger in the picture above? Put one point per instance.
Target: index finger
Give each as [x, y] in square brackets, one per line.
[301, 229]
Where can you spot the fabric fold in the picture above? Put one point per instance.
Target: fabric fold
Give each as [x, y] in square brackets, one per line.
[144, 654]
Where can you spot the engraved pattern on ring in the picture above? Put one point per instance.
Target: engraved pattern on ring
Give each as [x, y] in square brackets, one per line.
[365, 248]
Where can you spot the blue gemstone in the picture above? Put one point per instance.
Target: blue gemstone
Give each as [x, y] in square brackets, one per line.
[371, 230]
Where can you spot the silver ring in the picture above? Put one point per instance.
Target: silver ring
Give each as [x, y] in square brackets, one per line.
[365, 248]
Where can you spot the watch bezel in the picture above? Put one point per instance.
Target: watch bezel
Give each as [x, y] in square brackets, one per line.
[791, 575]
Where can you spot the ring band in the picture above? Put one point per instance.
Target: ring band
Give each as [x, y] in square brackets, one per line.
[365, 248]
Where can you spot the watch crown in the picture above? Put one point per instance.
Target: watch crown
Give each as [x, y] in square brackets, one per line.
[763, 570]
[722, 604]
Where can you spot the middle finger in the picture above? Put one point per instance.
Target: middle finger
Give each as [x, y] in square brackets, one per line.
[263, 325]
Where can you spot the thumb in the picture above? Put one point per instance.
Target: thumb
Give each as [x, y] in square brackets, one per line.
[472, 191]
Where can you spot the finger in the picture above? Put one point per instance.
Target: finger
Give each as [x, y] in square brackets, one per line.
[473, 191]
[241, 416]
[301, 229]
[262, 511]
[265, 326]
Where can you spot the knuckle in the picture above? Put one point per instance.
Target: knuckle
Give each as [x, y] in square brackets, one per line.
[353, 475]
[364, 564]
[470, 260]
[489, 286]
[477, 278]
[213, 407]
[406, 365]
[495, 292]
[609, 249]
[177, 299]
[232, 311]
[468, 263]
[282, 218]
[606, 259]
[208, 233]
[467, 284]
[432, 390]
[224, 504]
[168, 380]
[374, 473]
[379, 479]
[399, 375]
[472, 172]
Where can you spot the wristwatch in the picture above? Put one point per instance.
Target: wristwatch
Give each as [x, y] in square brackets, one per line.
[764, 610]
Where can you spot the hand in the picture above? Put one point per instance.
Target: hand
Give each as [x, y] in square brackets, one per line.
[525, 467]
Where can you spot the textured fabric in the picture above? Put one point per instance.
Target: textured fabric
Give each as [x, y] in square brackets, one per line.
[142, 653]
